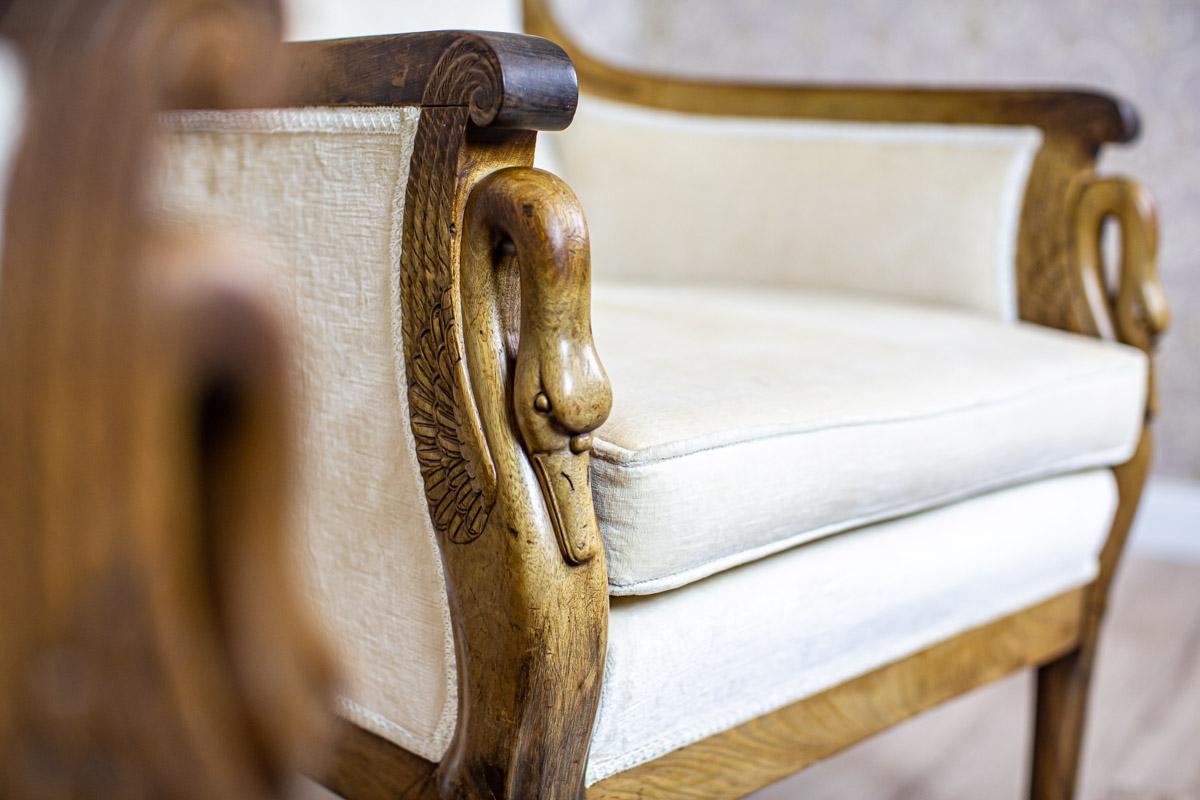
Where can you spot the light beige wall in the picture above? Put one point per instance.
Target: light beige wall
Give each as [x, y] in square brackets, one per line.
[1147, 51]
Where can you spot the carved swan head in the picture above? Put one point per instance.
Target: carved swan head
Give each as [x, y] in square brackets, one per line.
[560, 393]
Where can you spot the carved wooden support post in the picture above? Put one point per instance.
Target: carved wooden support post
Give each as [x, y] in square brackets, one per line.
[534, 696]
[501, 410]
[1135, 313]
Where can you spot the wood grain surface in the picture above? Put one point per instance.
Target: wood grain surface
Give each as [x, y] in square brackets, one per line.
[154, 641]
[521, 82]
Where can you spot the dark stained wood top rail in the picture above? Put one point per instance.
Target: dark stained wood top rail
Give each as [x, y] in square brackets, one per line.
[1099, 117]
[508, 80]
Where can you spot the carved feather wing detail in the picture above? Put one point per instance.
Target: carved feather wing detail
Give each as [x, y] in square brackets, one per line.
[457, 469]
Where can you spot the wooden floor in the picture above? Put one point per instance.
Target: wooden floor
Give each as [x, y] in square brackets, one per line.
[1143, 741]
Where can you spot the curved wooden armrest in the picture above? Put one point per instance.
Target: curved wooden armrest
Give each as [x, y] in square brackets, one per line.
[229, 397]
[1090, 115]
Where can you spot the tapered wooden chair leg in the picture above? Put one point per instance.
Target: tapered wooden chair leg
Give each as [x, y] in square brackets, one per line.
[1062, 685]
[1060, 718]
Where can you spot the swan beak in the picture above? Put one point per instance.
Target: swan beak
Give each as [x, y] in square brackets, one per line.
[564, 478]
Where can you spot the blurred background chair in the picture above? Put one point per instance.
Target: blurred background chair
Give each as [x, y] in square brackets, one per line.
[154, 641]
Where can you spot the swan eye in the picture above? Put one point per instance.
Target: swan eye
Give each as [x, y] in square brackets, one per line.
[542, 403]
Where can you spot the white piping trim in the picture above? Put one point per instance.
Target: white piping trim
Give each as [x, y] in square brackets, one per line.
[395, 733]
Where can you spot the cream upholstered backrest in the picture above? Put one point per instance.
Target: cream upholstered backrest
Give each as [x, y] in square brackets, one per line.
[319, 194]
[922, 212]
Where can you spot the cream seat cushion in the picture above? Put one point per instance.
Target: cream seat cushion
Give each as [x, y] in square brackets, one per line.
[683, 665]
[748, 421]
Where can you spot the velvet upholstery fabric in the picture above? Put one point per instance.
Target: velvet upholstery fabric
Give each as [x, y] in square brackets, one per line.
[920, 212]
[683, 665]
[748, 421]
[320, 194]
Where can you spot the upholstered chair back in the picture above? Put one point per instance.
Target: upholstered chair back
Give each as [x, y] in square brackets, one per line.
[919, 211]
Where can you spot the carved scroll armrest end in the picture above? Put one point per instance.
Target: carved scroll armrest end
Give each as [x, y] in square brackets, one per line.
[1133, 311]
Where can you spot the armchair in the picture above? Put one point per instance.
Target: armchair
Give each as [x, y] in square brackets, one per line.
[867, 479]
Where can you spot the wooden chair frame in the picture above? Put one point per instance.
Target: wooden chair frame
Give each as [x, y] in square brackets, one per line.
[501, 416]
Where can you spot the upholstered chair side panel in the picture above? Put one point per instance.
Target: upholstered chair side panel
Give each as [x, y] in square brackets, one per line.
[320, 193]
[924, 212]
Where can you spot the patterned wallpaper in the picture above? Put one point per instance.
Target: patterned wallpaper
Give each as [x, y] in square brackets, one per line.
[1145, 50]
